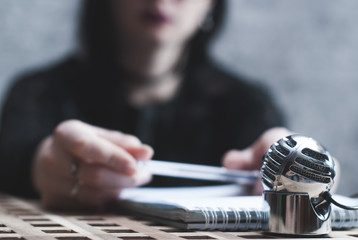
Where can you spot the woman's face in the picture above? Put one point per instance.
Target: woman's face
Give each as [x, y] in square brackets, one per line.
[160, 21]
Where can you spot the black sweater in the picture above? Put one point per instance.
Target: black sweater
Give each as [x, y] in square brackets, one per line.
[212, 113]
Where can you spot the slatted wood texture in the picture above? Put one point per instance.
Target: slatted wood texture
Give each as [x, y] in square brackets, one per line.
[20, 219]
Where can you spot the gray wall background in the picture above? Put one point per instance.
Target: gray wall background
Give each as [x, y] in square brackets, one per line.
[306, 51]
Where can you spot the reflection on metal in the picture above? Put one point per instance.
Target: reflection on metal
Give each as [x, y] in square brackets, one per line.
[293, 213]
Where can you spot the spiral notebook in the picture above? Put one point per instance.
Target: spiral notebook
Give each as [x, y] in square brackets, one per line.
[213, 208]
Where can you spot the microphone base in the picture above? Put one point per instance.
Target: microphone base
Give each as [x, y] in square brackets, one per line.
[293, 214]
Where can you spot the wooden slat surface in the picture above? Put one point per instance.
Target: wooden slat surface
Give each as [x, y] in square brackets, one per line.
[21, 219]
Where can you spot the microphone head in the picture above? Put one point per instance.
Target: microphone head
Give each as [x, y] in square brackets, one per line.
[298, 164]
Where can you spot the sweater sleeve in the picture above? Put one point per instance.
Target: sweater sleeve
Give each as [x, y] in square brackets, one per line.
[21, 130]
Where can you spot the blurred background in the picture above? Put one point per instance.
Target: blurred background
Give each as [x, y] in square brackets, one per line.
[305, 51]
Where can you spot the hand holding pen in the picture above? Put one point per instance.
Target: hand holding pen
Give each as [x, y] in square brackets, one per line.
[81, 165]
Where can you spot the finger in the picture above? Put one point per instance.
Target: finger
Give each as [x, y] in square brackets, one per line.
[268, 138]
[88, 147]
[251, 157]
[144, 152]
[129, 142]
[96, 176]
[99, 151]
[337, 169]
[118, 138]
[244, 159]
[258, 188]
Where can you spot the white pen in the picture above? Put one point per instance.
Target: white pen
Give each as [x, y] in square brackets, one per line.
[201, 172]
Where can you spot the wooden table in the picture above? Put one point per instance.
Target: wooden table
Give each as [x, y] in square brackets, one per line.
[20, 219]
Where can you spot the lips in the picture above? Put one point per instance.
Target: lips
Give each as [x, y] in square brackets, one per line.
[156, 17]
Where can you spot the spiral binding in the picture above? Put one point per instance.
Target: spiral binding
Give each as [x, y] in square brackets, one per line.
[254, 219]
[225, 218]
[344, 219]
[233, 219]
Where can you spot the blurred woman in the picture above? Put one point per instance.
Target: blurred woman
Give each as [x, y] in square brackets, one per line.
[72, 133]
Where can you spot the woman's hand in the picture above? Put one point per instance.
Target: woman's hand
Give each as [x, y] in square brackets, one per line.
[86, 166]
[251, 157]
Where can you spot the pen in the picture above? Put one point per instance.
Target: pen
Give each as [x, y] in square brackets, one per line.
[200, 172]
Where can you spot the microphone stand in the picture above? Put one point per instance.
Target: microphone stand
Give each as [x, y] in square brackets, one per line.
[294, 213]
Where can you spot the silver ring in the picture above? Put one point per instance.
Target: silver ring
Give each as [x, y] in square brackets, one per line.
[74, 168]
[75, 189]
[73, 171]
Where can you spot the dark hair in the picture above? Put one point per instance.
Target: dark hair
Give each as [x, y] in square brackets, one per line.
[97, 35]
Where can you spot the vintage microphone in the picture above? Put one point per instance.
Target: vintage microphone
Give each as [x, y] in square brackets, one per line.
[297, 174]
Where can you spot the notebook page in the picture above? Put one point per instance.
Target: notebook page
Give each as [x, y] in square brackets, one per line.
[182, 192]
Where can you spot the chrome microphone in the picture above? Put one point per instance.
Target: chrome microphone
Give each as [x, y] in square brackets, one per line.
[296, 172]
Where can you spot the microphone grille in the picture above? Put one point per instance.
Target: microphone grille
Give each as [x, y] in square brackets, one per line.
[297, 158]
[273, 160]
